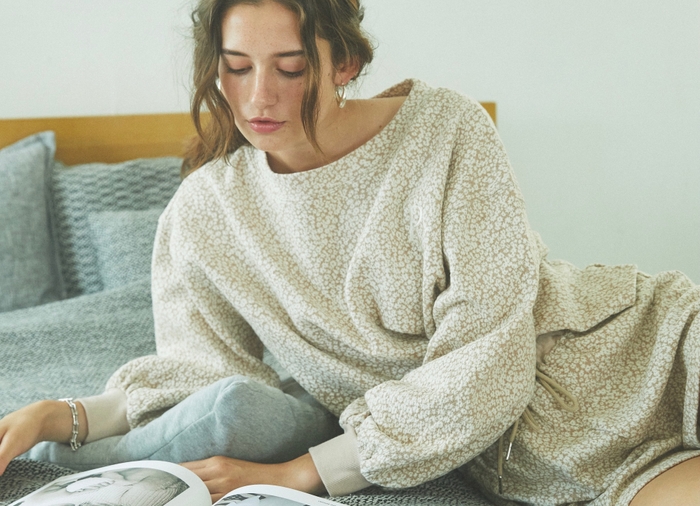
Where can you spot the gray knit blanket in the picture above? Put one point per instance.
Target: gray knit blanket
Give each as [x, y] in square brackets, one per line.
[71, 347]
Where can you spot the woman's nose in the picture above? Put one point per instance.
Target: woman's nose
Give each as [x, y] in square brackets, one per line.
[263, 94]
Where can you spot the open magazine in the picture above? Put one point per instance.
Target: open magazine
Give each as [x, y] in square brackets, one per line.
[156, 483]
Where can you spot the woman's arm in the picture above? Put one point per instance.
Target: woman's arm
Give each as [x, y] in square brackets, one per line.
[478, 373]
[200, 337]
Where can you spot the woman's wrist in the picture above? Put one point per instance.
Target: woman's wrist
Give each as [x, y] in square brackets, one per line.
[301, 474]
[57, 421]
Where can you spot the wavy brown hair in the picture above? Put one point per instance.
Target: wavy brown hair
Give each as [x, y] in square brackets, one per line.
[337, 21]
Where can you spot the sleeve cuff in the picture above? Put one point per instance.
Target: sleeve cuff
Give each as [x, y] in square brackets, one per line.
[106, 414]
[338, 463]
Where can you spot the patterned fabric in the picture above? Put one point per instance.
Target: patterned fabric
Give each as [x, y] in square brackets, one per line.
[403, 288]
[635, 376]
[29, 272]
[90, 188]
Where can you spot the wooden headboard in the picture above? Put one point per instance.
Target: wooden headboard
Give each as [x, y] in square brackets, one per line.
[106, 138]
[115, 138]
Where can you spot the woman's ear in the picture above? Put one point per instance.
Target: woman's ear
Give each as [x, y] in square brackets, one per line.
[346, 72]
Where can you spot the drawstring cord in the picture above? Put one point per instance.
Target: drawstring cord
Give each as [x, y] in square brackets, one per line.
[560, 394]
[501, 441]
[563, 398]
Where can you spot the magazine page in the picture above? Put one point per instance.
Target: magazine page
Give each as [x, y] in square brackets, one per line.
[141, 483]
[272, 495]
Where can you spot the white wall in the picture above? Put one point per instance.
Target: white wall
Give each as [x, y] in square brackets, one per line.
[598, 101]
[598, 107]
[93, 57]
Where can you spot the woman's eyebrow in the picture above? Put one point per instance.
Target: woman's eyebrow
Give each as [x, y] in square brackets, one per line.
[284, 54]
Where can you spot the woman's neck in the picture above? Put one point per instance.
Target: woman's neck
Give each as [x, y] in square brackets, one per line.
[350, 128]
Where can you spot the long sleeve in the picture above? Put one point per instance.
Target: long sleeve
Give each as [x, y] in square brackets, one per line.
[338, 464]
[478, 373]
[200, 338]
[106, 414]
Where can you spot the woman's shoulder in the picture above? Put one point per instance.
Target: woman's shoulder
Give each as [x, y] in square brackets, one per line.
[437, 105]
[420, 91]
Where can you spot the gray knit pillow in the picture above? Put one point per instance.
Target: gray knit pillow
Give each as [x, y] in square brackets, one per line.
[124, 244]
[29, 273]
[82, 190]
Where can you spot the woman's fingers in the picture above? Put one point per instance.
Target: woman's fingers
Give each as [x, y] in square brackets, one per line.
[203, 468]
[223, 474]
[219, 474]
[5, 451]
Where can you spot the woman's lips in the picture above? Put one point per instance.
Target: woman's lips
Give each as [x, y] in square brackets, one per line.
[264, 125]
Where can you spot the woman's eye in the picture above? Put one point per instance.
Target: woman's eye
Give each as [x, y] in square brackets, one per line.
[287, 73]
[237, 71]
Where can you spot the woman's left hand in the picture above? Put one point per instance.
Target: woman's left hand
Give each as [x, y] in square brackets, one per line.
[222, 474]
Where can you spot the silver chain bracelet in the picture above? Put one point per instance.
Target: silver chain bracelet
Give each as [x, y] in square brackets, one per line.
[74, 443]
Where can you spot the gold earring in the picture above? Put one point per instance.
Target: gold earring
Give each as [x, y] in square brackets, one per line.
[340, 95]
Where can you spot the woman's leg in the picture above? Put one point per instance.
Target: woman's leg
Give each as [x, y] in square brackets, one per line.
[679, 486]
[235, 417]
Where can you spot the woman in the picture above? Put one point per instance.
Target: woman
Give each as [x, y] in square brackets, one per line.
[380, 250]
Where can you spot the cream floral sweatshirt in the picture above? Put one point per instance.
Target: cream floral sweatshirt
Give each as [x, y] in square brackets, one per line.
[396, 285]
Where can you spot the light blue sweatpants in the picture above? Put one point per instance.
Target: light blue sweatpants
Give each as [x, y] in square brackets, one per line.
[235, 417]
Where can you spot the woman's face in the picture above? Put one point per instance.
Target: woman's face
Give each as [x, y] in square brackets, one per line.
[262, 72]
